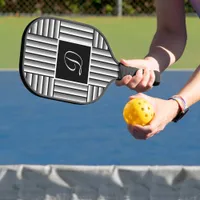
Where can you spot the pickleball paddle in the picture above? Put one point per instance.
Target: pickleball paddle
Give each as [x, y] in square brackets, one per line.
[68, 61]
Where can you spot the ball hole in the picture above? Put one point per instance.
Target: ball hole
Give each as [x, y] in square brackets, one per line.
[146, 115]
[142, 109]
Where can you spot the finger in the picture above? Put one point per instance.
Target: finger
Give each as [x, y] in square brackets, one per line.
[145, 79]
[136, 79]
[124, 81]
[151, 79]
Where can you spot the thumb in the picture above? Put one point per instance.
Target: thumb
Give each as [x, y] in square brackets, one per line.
[138, 95]
[133, 63]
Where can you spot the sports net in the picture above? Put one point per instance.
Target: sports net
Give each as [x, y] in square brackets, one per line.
[81, 7]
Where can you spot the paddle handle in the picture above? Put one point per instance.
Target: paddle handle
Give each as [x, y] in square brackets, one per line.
[124, 71]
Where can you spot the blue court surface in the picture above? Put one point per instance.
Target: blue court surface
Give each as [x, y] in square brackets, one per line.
[34, 130]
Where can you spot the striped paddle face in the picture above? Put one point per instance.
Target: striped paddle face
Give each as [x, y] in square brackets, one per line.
[66, 61]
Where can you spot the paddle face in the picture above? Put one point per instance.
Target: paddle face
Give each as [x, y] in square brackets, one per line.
[66, 61]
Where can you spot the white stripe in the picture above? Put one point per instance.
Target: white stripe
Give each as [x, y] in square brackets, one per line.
[90, 91]
[46, 27]
[34, 30]
[76, 33]
[98, 83]
[73, 39]
[96, 36]
[42, 39]
[41, 46]
[40, 83]
[50, 92]
[104, 72]
[71, 85]
[100, 91]
[32, 63]
[29, 78]
[100, 42]
[101, 52]
[105, 65]
[40, 27]
[77, 27]
[57, 29]
[103, 59]
[40, 58]
[38, 71]
[101, 77]
[41, 52]
[45, 85]
[95, 93]
[74, 99]
[70, 91]
[52, 22]
[34, 82]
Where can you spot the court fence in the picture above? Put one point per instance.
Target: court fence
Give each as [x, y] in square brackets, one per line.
[80, 7]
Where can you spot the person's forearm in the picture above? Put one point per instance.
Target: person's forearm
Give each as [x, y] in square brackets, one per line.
[191, 91]
[166, 48]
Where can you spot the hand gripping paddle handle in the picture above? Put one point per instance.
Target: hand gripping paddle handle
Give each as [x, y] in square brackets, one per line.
[124, 71]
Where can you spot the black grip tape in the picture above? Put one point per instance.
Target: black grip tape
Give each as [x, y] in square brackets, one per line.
[124, 71]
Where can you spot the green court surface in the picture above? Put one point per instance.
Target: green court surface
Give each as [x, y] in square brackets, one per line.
[129, 38]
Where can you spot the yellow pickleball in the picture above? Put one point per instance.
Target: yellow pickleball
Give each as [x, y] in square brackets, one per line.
[138, 111]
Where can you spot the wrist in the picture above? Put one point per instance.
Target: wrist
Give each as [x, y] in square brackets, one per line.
[153, 63]
[182, 107]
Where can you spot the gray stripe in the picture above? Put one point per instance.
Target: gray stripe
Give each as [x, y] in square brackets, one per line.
[95, 93]
[38, 71]
[100, 91]
[98, 83]
[76, 39]
[100, 42]
[103, 72]
[50, 87]
[76, 33]
[103, 59]
[90, 92]
[51, 28]
[34, 28]
[57, 29]
[34, 50]
[69, 91]
[45, 85]
[105, 46]
[34, 82]
[29, 78]
[101, 77]
[69, 98]
[40, 84]
[70, 85]
[77, 27]
[101, 52]
[36, 64]
[42, 39]
[40, 58]
[40, 27]
[105, 65]
[46, 27]
[41, 45]
[96, 38]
